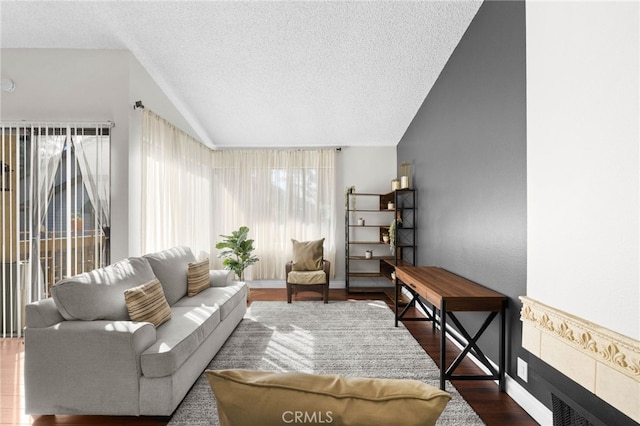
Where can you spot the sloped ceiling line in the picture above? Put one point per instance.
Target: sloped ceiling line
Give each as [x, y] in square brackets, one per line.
[276, 74]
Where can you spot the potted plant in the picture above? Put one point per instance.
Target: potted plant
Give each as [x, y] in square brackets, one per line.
[392, 234]
[237, 251]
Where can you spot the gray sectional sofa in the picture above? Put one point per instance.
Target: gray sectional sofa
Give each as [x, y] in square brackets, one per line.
[83, 355]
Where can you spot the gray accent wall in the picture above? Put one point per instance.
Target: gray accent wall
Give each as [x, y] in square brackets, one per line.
[468, 149]
[467, 146]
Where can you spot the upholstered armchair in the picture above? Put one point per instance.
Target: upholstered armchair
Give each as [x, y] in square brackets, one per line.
[308, 271]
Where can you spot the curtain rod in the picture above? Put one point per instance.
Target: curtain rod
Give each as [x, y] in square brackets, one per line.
[26, 123]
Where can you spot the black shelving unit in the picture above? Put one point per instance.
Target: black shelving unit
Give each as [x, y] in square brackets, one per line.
[360, 238]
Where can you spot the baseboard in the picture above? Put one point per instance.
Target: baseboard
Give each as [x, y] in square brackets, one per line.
[528, 402]
[266, 284]
[515, 390]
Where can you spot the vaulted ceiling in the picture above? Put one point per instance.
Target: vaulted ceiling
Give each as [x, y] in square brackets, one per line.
[262, 73]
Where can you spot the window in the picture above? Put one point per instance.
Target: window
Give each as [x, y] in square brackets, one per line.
[55, 208]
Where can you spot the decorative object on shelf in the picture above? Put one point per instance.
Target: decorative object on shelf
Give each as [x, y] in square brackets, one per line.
[392, 233]
[391, 206]
[395, 185]
[361, 222]
[404, 182]
[405, 174]
[385, 238]
[236, 251]
[368, 254]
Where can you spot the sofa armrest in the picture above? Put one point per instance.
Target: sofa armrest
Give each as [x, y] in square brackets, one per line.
[220, 277]
[42, 313]
[85, 366]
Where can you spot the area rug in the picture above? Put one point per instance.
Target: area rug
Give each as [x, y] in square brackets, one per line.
[352, 338]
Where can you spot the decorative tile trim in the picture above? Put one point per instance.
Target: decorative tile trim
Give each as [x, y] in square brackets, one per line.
[608, 347]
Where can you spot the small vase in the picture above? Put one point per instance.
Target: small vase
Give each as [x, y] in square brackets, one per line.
[360, 222]
[404, 182]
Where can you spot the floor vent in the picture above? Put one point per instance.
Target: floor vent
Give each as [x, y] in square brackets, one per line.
[565, 415]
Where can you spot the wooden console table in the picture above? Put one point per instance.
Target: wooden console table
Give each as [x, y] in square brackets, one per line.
[451, 293]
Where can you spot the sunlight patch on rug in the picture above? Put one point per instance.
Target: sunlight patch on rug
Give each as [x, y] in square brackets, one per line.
[354, 338]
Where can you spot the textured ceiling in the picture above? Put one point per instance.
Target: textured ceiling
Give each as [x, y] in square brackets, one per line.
[279, 74]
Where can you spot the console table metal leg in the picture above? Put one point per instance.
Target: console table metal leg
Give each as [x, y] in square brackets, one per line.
[397, 304]
[443, 342]
[434, 311]
[501, 356]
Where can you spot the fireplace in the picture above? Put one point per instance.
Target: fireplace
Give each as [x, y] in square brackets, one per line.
[566, 415]
[605, 363]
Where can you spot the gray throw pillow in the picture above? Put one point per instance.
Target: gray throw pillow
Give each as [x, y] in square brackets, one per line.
[171, 266]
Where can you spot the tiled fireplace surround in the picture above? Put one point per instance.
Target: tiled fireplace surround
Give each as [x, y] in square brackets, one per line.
[602, 361]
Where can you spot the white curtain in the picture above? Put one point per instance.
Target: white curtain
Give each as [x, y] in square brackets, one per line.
[48, 153]
[191, 195]
[176, 176]
[92, 154]
[280, 195]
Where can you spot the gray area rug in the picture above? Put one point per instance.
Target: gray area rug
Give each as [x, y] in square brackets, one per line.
[354, 338]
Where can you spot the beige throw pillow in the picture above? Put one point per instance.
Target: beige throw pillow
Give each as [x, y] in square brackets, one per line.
[147, 303]
[307, 255]
[197, 277]
[247, 397]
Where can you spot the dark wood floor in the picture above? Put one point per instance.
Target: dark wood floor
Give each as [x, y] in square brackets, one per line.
[494, 408]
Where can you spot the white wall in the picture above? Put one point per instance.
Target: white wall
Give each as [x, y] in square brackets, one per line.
[92, 85]
[369, 169]
[583, 164]
[74, 86]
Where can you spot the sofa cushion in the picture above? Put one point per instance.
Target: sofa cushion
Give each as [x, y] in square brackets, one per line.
[307, 255]
[178, 339]
[147, 303]
[197, 277]
[246, 397]
[170, 266]
[227, 298]
[99, 294]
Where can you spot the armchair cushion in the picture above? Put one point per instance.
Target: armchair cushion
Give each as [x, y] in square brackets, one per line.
[307, 277]
[247, 397]
[307, 255]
